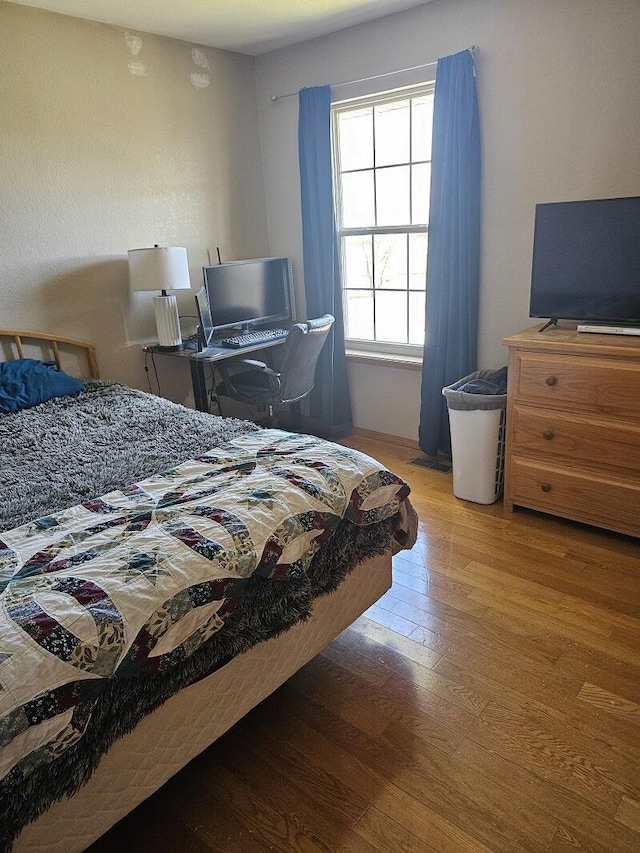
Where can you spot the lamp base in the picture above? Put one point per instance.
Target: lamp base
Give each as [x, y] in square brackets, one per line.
[175, 348]
[167, 323]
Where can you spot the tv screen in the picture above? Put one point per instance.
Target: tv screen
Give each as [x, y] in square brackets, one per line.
[249, 293]
[586, 260]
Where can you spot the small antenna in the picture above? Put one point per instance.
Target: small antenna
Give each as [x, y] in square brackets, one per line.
[218, 251]
[209, 256]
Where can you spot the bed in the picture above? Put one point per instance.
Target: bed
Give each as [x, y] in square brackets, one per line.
[161, 572]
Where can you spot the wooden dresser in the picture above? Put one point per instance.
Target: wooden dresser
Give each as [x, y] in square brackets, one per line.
[573, 426]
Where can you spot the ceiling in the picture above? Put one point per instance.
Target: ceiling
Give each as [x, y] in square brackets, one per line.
[245, 26]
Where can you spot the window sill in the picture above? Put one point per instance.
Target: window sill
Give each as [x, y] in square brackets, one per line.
[385, 359]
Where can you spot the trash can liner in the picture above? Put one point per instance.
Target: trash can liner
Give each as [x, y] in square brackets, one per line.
[483, 390]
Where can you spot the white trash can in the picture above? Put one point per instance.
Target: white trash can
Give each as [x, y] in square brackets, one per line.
[477, 423]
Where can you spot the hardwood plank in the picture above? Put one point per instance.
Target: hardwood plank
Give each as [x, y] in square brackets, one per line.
[370, 667]
[437, 587]
[502, 612]
[423, 823]
[377, 702]
[452, 691]
[549, 695]
[541, 751]
[607, 671]
[151, 829]
[245, 758]
[564, 574]
[486, 629]
[629, 813]
[629, 633]
[432, 601]
[382, 660]
[570, 810]
[314, 681]
[462, 645]
[380, 633]
[568, 840]
[263, 827]
[485, 808]
[610, 703]
[389, 835]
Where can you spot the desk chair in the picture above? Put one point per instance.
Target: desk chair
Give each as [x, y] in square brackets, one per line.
[293, 378]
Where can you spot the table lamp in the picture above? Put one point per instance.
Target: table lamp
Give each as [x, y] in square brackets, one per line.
[162, 268]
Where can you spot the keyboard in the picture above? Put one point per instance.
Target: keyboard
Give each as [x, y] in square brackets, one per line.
[261, 336]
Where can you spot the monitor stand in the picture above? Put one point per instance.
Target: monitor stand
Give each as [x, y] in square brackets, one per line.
[596, 328]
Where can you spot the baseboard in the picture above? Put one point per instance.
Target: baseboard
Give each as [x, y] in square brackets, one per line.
[359, 432]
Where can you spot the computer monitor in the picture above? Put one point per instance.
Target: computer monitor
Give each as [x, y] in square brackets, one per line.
[250, 293]
[205, 323]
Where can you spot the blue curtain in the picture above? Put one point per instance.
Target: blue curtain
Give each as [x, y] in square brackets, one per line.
[453, 263]
[330, 403]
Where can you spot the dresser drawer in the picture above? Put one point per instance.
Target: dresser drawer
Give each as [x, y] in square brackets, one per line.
[577, 440]
[597, 386]
[607, 501]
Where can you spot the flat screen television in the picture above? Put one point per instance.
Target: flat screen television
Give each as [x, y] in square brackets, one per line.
[586, 261]
[251, 293]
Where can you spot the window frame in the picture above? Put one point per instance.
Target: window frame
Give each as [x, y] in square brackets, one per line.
[426, 87]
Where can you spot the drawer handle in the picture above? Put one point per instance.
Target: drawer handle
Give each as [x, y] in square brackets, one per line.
[547, 434]
[546, 487]
[551, 380]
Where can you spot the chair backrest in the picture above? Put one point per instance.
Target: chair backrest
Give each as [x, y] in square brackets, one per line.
[300, 356]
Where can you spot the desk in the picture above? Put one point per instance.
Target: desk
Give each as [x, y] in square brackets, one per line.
[214, 355]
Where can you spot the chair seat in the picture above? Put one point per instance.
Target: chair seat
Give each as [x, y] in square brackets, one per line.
[252, 384]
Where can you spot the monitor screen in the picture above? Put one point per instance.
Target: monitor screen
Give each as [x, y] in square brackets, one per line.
[249, 293]
[586, 260]
[205, 323]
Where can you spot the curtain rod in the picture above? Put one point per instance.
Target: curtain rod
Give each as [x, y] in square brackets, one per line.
[275, 98]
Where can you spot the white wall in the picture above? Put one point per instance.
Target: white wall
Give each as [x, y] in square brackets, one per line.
[112, 140]
[560, 112]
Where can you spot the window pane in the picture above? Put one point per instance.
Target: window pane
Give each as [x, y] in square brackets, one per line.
[392, 127]
[392, 195]
[390, 260]
[357, 200]
[416, 318]
[420, 189]
[358, 311]
[355, 139]
[418, 261]
[383, 185]
[358, 264]
[421, 127]
[391, 316]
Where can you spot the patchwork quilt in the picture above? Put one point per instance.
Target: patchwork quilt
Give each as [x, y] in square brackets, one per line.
[133, 583]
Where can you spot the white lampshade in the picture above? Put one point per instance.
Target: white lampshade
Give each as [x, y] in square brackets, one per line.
[159, 268]
[162, 268]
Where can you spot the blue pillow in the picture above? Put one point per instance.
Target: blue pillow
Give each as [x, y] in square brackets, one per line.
[26, 382]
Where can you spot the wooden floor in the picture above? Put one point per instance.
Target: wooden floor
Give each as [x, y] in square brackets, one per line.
[489, 702]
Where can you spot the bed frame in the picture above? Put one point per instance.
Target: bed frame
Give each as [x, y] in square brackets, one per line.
[16, 343]
[191, 720]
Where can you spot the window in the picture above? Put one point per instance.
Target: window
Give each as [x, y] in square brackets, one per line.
[382, 168]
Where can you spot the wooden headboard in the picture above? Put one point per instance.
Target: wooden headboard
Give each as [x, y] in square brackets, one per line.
[12, 345]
